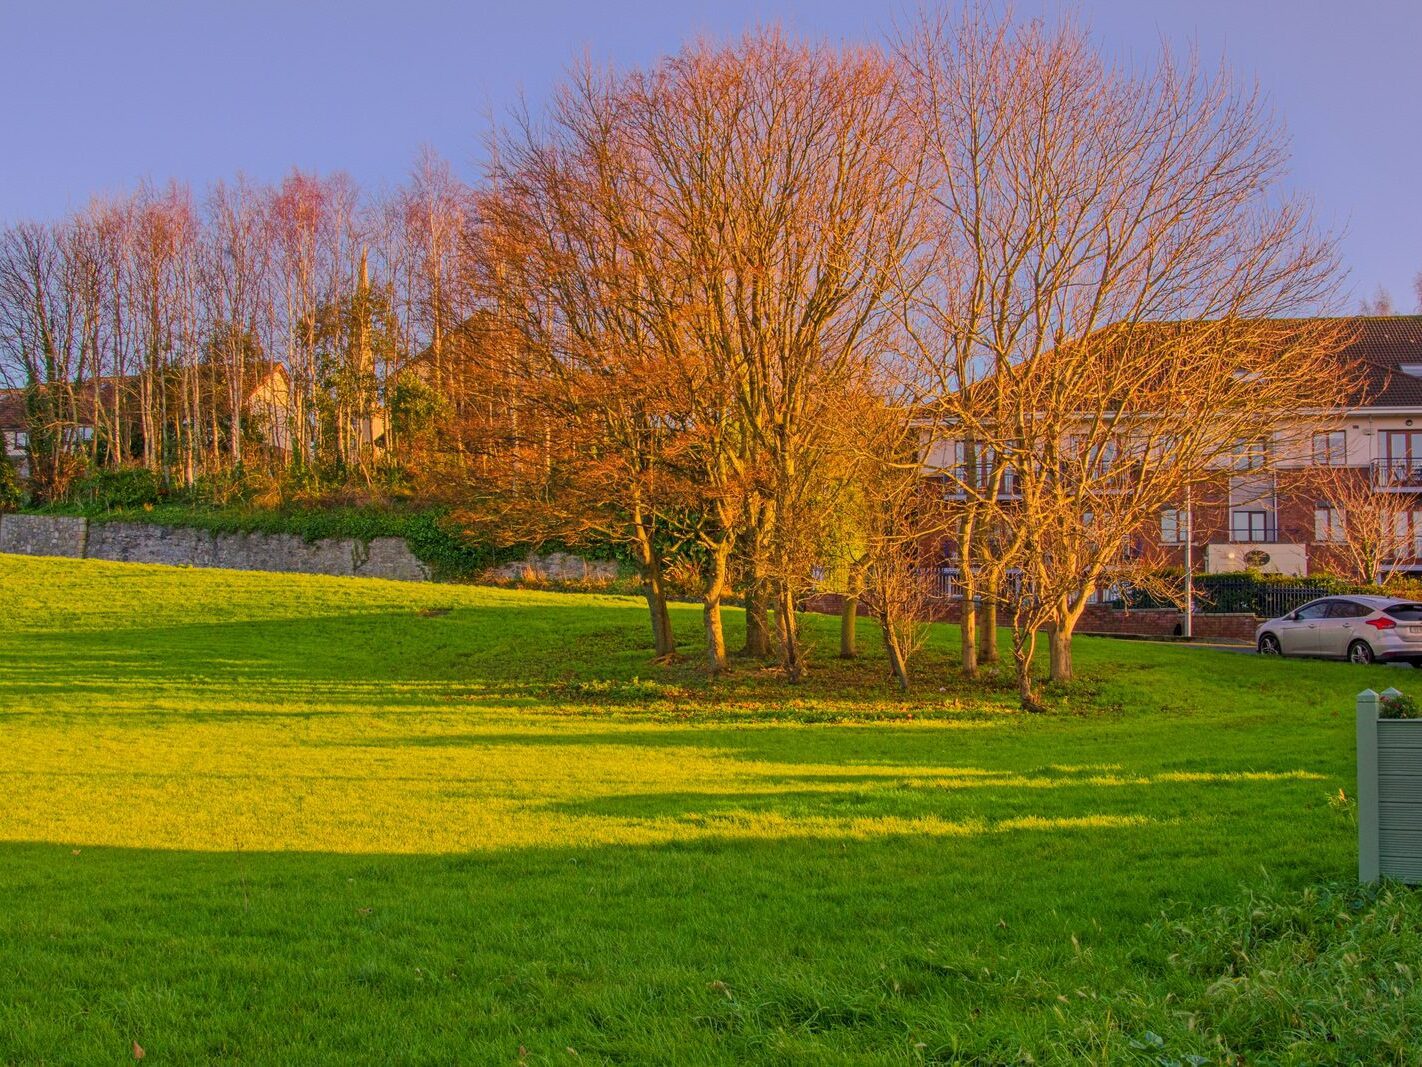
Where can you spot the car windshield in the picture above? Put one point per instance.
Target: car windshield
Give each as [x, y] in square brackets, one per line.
[1405, 612]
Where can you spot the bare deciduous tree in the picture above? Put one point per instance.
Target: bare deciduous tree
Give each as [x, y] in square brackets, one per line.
[1366, 530]
[1080, 209]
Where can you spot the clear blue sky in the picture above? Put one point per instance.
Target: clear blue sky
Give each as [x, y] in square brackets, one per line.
[98, 95]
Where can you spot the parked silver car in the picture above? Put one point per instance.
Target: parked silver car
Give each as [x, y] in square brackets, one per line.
[1363, 629]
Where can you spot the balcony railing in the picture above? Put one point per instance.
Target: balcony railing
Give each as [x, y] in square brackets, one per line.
[1397, 476]
[955, 485]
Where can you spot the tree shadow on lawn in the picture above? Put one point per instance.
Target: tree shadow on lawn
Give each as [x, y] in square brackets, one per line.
[475, 656]
[734, 950]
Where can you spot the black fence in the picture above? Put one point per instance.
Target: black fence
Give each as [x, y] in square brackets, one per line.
[1217, 595]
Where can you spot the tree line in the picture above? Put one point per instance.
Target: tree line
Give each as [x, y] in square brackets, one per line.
[139, 326]
[773, 316]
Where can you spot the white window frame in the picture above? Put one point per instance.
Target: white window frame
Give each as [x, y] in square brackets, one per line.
[1177, 530]
[1334, 448]
[1251, 454]
[1328, 524]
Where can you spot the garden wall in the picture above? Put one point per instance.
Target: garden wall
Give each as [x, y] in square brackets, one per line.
[557, 567]
[1099, 619]
[44, 535]
[134, 542]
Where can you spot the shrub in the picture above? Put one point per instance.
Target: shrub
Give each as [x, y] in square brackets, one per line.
[12, 495]
[1400, 706]
[1326, 975]
[118, 487]
[225, 487]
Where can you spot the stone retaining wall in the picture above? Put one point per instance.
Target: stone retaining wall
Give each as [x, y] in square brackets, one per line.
[556, 567]
[44, 535]
[136, 542]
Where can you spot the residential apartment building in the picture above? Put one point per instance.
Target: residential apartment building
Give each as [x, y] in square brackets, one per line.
[1274, 506]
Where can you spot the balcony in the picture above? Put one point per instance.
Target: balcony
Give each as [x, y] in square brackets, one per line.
[1397, 476]
[954, 485]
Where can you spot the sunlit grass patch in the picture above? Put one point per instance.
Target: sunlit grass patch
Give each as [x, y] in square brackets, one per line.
[290, 819]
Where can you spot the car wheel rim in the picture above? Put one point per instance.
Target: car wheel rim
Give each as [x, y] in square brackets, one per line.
[1269, 647]
[1360, 654]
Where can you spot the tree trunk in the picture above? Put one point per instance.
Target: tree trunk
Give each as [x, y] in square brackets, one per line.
[791, 658]
[848, 615]
[1023, 647]
[987, 642]
[711, 611]
[1063, 626]
[715, 636]
[649, 564]
[1060, 644]
[969, 627]
[968, 587]
[758, 644]
[663, 638]
[897, 662]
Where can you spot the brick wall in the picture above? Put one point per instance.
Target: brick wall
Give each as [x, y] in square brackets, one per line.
[1226, 627]
[1142, 622]
[1098, 619]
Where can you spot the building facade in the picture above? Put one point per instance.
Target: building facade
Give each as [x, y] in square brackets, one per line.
[1282, 506]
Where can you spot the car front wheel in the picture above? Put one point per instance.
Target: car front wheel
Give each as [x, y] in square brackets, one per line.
[1360, 652]
[1269, 646]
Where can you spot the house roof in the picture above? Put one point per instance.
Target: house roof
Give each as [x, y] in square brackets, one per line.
[1372, 352]
[12, 401]
[12, 409]
[1381, 348]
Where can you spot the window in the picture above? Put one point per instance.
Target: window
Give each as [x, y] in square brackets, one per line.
[1327, 524]
[1174, 526]
[1250, 526]
[1402, 448]
[1098, 457]
[1319, 609]
[1405, 612]
[973, 468]
[1348, 609]
[1330, 449]
[1250, 455]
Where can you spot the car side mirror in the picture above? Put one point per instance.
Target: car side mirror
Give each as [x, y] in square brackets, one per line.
[1293, 616]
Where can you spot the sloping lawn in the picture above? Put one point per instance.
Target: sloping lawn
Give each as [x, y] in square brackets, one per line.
[282, 819]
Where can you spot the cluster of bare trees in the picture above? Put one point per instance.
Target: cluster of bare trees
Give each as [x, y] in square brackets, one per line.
[817, 310]
[257, 323]
[1108, 317]
[695, 270]
[774, 316]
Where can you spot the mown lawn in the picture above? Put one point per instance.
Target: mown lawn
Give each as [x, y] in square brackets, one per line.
[282, 819]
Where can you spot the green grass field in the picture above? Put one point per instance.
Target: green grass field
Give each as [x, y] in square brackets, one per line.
[281, 819]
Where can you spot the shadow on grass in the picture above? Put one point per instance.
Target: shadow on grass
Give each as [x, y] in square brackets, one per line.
[479, 657]
[723, 950]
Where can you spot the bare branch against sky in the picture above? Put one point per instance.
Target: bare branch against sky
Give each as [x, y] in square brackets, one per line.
[198, 92]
